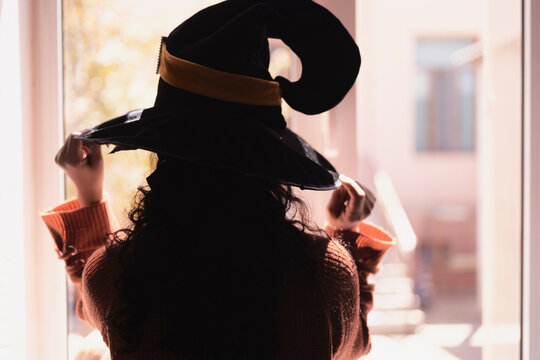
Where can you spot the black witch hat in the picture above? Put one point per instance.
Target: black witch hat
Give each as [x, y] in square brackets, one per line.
[217, 104]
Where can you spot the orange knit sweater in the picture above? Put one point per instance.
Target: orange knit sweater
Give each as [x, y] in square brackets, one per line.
[331, 326]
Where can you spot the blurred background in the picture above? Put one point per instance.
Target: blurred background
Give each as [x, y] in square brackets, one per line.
[433, 126]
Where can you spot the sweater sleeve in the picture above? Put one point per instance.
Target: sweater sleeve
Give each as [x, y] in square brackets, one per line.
[367, 245]
[77, 233]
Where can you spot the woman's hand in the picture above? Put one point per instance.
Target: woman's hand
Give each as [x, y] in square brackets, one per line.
[83, 163]
[348, 205]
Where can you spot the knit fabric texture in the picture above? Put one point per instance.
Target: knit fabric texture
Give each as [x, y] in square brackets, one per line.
[324, 318]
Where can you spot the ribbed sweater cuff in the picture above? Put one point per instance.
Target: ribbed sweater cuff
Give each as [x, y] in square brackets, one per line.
[83, 228]
[364, 234]
[370, 235]
[367, 243]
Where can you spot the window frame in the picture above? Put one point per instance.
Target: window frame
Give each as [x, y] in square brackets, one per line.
[43, 182]
[41, 69]
[530, 325]
[434, 149]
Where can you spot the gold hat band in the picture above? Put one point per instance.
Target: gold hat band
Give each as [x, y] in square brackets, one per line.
[216, 84]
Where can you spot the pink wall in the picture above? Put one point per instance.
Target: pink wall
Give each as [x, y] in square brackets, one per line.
[438, 190]
[387, 32]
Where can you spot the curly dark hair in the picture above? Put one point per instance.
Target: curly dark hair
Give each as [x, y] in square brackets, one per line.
[208, 250]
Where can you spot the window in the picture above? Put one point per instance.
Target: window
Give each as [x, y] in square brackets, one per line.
[440, 114]
[42, 330]
[445, 103]
[109, 69]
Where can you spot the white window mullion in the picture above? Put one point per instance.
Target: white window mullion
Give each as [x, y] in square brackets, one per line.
[41, 89]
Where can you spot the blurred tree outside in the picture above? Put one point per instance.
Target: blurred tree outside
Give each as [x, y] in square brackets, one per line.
[110, 59]
[109, 66]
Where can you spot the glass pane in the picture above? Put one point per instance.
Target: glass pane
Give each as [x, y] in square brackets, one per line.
[438, 53]
[110, 57]
[445, 110]
[450, 288]
[439, 92]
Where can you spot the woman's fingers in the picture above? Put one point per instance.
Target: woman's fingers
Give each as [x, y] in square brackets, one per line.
[93, 153]
[75, 152]
[357, 198]
[83, 163]
[336, 204]
[356, 193]
[348, 204]
[71, 152]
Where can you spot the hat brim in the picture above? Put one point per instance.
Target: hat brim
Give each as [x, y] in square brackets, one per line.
[229, 141]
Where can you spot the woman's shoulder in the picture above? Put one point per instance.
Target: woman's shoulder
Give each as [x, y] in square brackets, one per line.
[319, 300]
[106, 259]
[328, 274]
[333, 260]
[100, 277]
